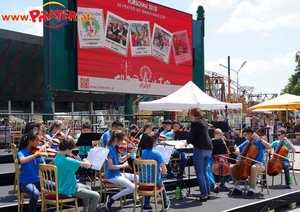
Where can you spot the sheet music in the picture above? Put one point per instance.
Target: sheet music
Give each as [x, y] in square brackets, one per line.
[179, 144]
[97, 156]
[166, 152]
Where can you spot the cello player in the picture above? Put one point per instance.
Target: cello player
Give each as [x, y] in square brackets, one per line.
[261, 144]
[218, 137]
[281, 134]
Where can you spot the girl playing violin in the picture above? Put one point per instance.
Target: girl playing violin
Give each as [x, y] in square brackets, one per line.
[113, 166]
[29, 177]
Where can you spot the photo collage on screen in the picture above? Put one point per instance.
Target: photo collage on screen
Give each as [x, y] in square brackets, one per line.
[117, 34]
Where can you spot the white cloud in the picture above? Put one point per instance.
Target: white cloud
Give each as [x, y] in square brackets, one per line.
[267, 76]
[263, 15]
[209, 4]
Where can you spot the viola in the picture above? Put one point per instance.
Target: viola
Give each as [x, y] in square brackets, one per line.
[243, 169]
[275, 164]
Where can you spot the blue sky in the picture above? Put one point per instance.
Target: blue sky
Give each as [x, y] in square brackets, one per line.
[265, 33]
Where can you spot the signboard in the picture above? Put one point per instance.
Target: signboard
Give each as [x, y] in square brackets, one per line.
[133, 46]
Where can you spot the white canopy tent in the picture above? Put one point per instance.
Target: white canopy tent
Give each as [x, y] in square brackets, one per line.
[185, 97]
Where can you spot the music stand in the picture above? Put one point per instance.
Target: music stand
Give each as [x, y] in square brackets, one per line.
[86, 139]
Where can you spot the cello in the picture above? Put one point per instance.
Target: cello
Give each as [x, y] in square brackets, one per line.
[275, 164]
[221, 166]
[244, 164]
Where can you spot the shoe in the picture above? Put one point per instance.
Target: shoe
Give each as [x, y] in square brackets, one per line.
[202, 198]
[236, 192]
[288, 187]
[109, 202]
[171, 175]
[250, 194]
[147, 208]
[180, 176]
[216, 189]
[167, 207]
[223, 187]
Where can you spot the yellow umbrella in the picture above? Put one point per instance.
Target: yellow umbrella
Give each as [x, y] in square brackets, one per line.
[283, 102]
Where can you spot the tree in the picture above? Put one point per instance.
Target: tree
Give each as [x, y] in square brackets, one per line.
[293, 86]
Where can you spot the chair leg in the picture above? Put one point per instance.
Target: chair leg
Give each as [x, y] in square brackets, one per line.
[15, 185]
[162, 202]
[267, 184]
[281, 178]
[155, 199]
[293, 172]
[76, 205]
[272, 180]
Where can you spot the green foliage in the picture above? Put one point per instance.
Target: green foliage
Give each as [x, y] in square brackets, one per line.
[293, 86]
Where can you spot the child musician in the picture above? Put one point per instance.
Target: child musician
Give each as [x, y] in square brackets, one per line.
[257, 166]
[67, 185]
[149, 153]
[29, 176]
[113, 166]
[218, 137]
[282, 139]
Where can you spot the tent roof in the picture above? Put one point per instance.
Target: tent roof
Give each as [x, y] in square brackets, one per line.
[185, 97]
[283, 102]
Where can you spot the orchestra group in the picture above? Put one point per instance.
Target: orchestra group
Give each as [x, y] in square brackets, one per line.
[215, 161]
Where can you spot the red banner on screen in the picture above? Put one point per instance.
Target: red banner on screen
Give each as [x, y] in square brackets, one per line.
[133, 46]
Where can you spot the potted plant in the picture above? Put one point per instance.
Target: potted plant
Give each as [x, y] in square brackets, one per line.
[297, 131]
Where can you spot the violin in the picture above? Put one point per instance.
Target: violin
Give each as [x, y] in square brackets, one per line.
[50, 152]
[275, 164]
[243, 169]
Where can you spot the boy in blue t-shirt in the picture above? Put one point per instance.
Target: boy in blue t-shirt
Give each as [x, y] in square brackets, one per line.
[66, 168]
[258, 164]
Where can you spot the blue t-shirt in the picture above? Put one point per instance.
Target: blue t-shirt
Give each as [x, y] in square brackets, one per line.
[30, 170]
[260, 155]
[277, 143]
[66, 168]
[153, 154]
[115, 159]
[106, 136]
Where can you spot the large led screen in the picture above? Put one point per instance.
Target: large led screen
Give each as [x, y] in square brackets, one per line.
[133, 46]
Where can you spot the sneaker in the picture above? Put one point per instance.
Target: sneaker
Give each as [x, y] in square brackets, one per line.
[109, 202]
[167, 207]
[236, 192]
[147, 208]
[250, 194]
[288, 187]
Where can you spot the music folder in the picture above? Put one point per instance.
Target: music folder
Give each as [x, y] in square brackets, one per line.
[86, 139]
